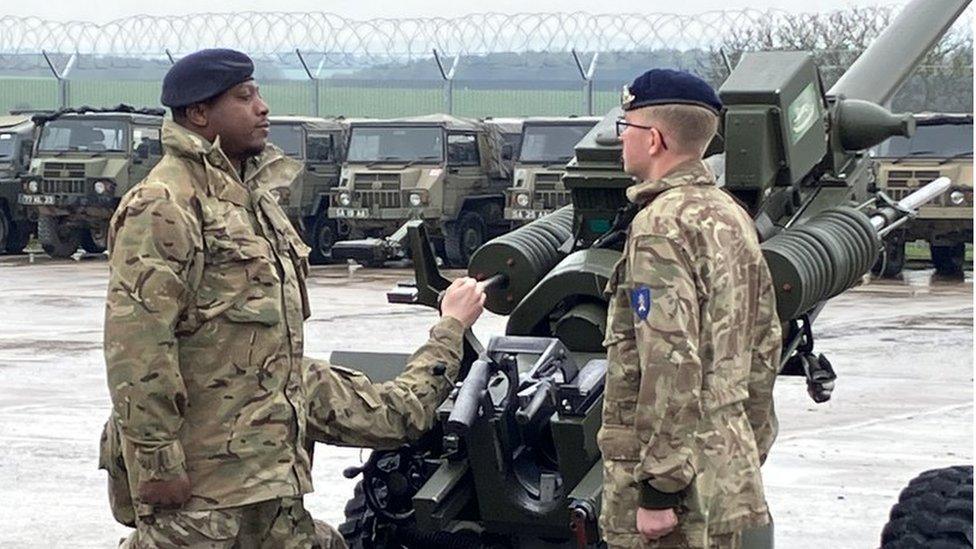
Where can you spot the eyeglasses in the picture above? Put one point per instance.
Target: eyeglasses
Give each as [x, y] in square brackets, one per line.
[623, 124]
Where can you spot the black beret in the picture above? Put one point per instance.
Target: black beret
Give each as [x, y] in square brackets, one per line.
[204, 74]
[667, 86]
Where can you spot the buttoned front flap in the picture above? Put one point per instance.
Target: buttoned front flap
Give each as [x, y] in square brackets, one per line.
[289, 243]
[620, 325]
[623, 367]
[240, 279]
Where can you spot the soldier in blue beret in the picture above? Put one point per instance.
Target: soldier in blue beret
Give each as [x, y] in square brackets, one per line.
[693, 340]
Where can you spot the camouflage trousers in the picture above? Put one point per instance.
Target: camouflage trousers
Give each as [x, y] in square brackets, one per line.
[279, 523]
[676, 540]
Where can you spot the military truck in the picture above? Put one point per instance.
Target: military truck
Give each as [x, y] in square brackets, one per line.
[320, 144]
[941, 146]
[448, 171]
[546, 146]
[17, 134]
[85, 159]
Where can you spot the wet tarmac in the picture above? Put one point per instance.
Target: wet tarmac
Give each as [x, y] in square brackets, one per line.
[903, 351]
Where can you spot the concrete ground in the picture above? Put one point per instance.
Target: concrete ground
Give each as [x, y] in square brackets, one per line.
[903, 403]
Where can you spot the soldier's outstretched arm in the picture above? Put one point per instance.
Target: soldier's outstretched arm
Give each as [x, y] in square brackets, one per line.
[669, 398]
[766, 350]
[346, 408]
[154, 252]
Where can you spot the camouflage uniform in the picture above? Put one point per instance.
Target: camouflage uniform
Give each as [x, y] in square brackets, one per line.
[693, 344]
[204, 351]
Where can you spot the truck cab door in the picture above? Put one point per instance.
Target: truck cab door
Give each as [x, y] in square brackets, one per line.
[147, 149]
[322, 165]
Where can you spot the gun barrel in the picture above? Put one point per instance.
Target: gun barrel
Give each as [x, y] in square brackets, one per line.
[883, 67]
[916, 200]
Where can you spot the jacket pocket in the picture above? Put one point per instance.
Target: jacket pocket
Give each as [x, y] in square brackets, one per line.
[240, 278]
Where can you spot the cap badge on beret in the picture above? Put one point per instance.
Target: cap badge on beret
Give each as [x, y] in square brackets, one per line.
[626, 98]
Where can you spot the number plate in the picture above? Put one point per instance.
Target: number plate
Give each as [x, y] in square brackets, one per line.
[36, 199]
[529, 214]
[360, 213]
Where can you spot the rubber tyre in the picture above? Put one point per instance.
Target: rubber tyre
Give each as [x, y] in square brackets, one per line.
[935, 511]
[357, 528]
[6, 228]
[89, 244]
[19, 237]
[323, 236]
[892, 261]
[949, 260]
[56, 243]
[463, 237]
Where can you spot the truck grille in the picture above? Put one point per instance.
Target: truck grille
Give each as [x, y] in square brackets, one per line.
[63, 178]
[63, 170]
[552, 200]
[377, 181]
[546, 181]
[905, 178]
[378, 189]
[63, 186]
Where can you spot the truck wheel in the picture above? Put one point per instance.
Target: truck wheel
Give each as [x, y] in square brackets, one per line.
[19, 237]
[357, 529]
[58, 242]
[892, 261]
[949, 260]
[93, 241]
[463, 237]
[6, 228]
[935, 510]
[321, 240]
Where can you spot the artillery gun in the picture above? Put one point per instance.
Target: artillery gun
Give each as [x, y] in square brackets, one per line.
[513, 460]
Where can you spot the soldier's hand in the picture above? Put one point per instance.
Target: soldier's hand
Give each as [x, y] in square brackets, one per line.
[655, 523]
[172, 492]
[464, 300]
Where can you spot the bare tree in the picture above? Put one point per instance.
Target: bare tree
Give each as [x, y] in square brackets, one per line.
[942, 81]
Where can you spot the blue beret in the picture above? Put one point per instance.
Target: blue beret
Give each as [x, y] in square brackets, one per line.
[666, 86]
[204, 74]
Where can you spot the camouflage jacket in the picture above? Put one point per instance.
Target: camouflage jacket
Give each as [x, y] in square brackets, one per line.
[203, 331]
[693, 345]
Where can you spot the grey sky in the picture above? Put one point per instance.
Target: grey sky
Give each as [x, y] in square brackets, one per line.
[100, 12]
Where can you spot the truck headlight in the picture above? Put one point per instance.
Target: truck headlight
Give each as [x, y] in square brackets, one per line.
[522, 200]
[345, 199]
[416, 199]
[33, 186]
[957, 198]
[102, 187]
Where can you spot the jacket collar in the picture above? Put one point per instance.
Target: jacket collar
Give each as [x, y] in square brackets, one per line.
[271, 166]
[692, 172]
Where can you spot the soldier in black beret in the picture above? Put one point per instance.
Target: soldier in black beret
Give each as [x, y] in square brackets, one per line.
[212, 93]
[214, 400]
[693, 341]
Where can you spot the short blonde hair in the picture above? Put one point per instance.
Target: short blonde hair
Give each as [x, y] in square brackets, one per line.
[690, 127]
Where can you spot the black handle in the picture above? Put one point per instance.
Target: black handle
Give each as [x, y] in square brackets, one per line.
[468, 401]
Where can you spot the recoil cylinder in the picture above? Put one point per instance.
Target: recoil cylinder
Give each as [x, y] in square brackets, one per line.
[524, 256]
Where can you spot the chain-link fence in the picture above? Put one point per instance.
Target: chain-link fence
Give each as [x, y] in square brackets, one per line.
[507, 65]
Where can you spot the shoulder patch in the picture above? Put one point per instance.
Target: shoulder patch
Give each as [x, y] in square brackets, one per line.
[640, 301]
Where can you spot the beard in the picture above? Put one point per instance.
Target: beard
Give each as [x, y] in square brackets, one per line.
[252, 151]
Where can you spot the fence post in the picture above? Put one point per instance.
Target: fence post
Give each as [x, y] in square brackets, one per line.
[64, 91]
[448, 77]
[587, 76]
[313, 80]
